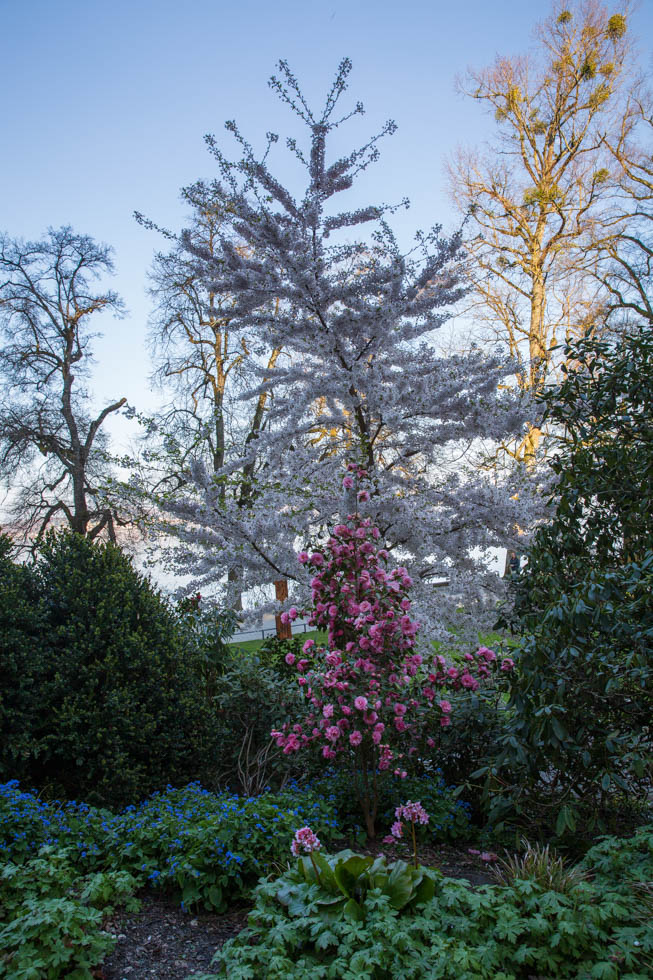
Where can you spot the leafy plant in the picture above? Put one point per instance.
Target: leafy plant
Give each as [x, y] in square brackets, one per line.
[597, 929]
[111, 703]
[449, 816]
[250, 698]
[579, 738]
[336, 887]
[540, 864]
[51, 916]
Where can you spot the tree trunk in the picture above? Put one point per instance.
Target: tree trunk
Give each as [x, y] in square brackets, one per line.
[284, 631]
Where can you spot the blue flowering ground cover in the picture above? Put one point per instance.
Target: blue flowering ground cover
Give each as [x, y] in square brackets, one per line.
[209, 849]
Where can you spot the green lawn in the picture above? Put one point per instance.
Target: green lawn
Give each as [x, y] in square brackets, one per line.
[252, 645]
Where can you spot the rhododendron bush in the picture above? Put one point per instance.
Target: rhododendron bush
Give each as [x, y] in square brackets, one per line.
[371, 698]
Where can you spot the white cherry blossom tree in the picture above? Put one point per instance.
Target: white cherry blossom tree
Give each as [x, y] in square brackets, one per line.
[359, 380]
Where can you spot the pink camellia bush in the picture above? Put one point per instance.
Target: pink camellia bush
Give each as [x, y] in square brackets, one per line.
[370, 696]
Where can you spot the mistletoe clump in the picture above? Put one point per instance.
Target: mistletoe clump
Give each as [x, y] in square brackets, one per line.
[370, 694]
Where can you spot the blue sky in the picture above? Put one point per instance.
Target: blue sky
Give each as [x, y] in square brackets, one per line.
[104, 107]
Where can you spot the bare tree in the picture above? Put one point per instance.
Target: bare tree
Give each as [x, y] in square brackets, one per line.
[534, 200]
[201, 358]
[203, 361]
[52, 450]
[627, 267]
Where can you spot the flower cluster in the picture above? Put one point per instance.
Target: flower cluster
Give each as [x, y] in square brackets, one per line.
[304, 840]
[410, 812]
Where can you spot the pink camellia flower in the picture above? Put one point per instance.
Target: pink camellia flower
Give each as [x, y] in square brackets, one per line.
[327, 710]
[356, 737]
[308, 646]
[302, 557]
[348, 483]
[333, 611]
[486, 654]
[445, 707]
[469, 682]
[290, 659]
[363, 496]
[507, 664]
[328, 752]
[317, 559]
[445, 721]
[376, 737]
[360, 702]
[285, 618]
[400, 709]
[292, 613]
[333, 733]
[304, 840]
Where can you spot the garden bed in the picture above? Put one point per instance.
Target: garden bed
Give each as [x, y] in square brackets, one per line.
[168, 942]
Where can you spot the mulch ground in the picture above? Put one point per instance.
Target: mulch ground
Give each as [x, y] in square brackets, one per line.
[165, 942]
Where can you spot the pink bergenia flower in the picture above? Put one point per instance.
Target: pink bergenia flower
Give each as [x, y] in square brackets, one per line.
[414, 812]
[304, 840]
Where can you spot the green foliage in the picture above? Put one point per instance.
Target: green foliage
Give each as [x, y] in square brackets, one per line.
[24, 659]
[209, 849]
[337, 887]
[51, 917]
[449, 816]
[102, 698]
[579, 737]
[597, 929]
[540, 864]
[252, 696]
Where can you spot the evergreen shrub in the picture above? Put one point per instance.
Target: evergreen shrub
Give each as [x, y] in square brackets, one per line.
[102, 698]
